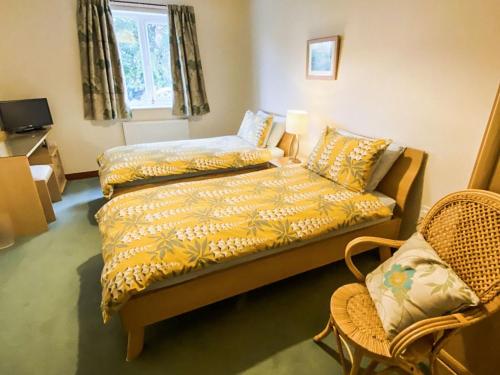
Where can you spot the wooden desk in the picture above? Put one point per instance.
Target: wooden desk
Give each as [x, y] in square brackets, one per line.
[18, 192]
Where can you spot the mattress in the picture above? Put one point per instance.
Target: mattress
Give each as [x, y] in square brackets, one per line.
[136, 162]
[163, 233]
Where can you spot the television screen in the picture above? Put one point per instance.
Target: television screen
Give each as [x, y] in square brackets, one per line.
[23, 115]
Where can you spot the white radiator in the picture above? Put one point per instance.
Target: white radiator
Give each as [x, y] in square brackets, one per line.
[155, 131]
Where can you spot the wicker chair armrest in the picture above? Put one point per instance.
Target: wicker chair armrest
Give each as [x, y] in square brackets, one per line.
[362, 244]
[430, 326]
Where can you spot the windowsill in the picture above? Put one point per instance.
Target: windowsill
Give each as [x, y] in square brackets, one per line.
[148, 108]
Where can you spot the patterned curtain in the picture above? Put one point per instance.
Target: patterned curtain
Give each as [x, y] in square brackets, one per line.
[190, 98]
[103, 88]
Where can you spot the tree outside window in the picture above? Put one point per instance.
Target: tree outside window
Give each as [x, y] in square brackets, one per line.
[143, 41]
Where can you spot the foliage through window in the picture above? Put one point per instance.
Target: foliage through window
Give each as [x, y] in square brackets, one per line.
[143, 41]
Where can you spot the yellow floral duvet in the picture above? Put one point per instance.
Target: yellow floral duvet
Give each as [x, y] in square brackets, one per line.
[155, 234]
[135, 162]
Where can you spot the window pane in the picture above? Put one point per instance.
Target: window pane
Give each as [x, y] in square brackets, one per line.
[127, 33]
[159, 53]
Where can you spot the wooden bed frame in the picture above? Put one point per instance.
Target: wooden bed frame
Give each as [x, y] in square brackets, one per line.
[285, 144]
[156, 305]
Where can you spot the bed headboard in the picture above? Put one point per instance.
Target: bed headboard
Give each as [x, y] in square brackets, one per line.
[286, 143]
[400, 178]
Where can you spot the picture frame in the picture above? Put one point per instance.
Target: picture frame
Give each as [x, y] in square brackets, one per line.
[322, 58]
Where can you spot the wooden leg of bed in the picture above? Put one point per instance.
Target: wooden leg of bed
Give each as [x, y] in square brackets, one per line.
[384, 252]
[135, 343]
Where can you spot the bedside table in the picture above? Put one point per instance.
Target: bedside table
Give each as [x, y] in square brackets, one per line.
[284, 161]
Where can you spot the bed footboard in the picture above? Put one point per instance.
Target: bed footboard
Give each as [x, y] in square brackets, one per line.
[153, 306]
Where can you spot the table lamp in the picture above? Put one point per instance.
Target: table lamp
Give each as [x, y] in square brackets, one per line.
[296, 124]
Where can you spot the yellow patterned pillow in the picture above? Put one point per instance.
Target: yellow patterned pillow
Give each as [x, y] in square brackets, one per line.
[264, 127]
[345, 160]
[256, 128]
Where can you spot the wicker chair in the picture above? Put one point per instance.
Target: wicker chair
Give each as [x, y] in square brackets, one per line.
[464, 229]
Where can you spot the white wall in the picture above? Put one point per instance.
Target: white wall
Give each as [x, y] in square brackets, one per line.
[423, 73]
[39, 57]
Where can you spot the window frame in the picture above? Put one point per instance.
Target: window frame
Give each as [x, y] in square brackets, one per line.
[144, 17]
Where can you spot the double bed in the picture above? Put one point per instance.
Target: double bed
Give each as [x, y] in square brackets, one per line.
[175, 248]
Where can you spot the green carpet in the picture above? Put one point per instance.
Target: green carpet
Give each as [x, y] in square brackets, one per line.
[51, 323]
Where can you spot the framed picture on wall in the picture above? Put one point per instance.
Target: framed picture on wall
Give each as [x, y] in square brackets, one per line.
[322, 58]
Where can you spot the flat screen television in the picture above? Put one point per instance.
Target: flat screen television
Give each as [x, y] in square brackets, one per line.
[17, 116]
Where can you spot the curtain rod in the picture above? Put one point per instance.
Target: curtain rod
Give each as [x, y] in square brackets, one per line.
[136, 3]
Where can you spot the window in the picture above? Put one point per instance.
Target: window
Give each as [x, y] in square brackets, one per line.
[143, 41]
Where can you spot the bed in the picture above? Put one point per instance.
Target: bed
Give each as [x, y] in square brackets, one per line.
[129, 168]
[212, 245]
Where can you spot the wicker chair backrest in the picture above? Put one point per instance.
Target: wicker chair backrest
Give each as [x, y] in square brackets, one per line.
[464, 229]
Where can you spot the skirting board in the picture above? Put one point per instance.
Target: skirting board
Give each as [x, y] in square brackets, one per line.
[81, 175]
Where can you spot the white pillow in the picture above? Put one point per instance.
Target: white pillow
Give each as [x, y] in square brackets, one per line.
[246, 126]
[277, 130]
[384, 163]
[255, 128]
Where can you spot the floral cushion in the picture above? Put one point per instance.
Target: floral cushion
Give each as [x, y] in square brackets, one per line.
[255, 128]
[348, 161]
[415, 284]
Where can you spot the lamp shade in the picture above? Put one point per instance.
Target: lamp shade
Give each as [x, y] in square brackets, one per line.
[296, 122]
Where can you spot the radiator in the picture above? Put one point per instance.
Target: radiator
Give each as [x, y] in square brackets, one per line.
[155, 131]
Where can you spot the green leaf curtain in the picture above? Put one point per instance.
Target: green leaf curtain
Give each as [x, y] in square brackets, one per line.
[190, 98]
[103, 87]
